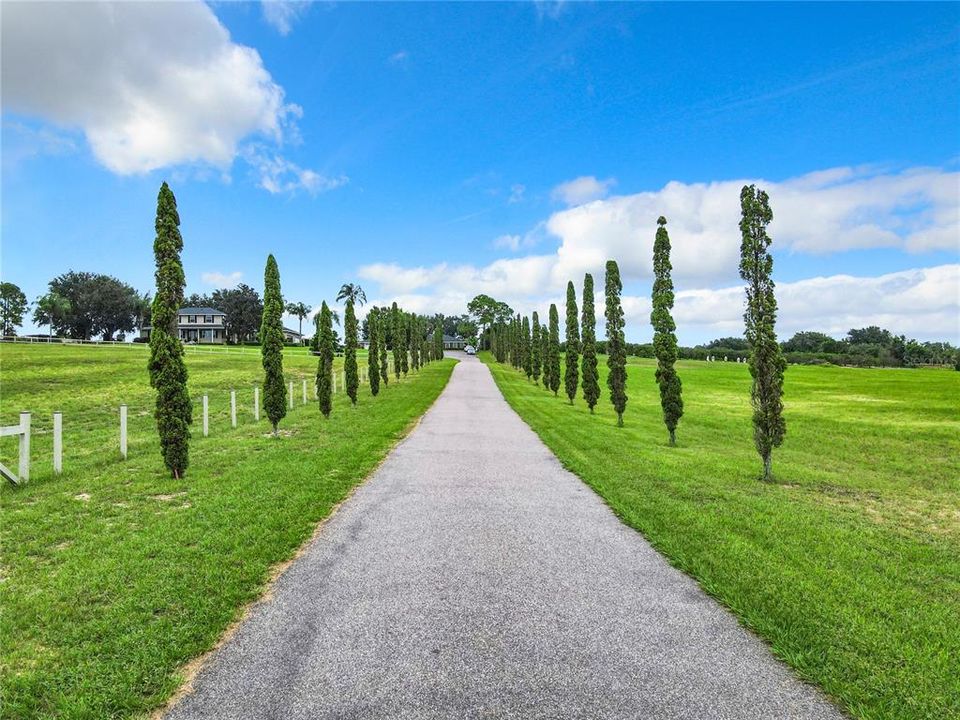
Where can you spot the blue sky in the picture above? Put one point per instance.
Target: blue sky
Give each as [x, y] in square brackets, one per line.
[433, 151]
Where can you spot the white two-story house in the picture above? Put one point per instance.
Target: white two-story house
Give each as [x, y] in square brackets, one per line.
[202, 325]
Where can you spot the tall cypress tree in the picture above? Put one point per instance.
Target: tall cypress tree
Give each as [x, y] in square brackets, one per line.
[664, 339]
[325, 363]
[438, 342]
[168, 373]
[405, 334]
[373, 343]
[554, 349]
[571, 370]
[616, 347]
[767, 363]
[588, 364]
[384, 320]
[350, 350]
[545, 354]
[527, 348]
[414, 343]
[535, 360]
[271, 346]
[397, 321]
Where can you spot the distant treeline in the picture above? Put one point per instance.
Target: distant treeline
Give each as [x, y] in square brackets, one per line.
[864, 347]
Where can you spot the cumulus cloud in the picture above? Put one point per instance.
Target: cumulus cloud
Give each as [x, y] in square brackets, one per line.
[150, 85]
[828, 211]
[221, 280]
[922, 303]
[582, 189]
[282, 14]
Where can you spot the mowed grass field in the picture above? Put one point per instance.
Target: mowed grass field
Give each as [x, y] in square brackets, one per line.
[849, 565]
[113, 575]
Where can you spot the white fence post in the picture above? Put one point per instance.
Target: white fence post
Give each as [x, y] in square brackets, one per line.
[256, 403]
[233, 408]
[334, 376]
[343, 378]
[123, 431]
[304, 392]
[206, 416]
[58, 442]
[290, 395]
[24, 468]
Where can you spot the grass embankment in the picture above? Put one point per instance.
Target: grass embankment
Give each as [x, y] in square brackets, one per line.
[115, 575]
[849, 565]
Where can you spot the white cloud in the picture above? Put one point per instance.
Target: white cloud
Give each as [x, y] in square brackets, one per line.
[221, 280]
[516, 193]
[21, 141]
[278, 175]
[923, 303]
[581, 190]
[833, 209]
[399, 58]
[508, 242]
[151, 85]
[282, 14]
[829, 211]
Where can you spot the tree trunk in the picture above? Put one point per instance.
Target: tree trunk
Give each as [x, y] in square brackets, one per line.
[619, 419]
[673, 438]
[768, 467]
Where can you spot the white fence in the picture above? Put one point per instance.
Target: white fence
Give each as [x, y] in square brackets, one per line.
[22, 429]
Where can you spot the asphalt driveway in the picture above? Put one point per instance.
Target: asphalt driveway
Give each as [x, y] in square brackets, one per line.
[473, 577]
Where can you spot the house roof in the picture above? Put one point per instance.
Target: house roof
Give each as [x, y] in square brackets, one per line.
[291, 332]
[451, 338]
[200, 311]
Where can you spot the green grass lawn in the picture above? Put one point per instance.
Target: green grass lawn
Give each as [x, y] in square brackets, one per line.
[114, 575]
[849, 565]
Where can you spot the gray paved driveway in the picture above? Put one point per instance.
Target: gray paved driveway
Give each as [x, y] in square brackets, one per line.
[473, 577]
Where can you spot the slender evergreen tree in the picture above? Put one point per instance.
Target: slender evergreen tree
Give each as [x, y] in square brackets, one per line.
[414, 343]
[616, 347]
[384, 320]
[405, 334]
[535, 360]
[438, 342]
[571, 369]
[168, 373]
[767, 363]
[553, 357]
[271, 346]
[664, 339]
[527, 349]
[373, 361]
[397, 338]
[588, 363]
[325, 363]
[545, 354]
[350, 350]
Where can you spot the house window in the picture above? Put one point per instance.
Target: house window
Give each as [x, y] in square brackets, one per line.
[208, 318]
[182, 319]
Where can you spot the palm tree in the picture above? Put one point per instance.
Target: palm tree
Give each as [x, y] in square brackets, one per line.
[299, 311]
[352, 292]
[50, 308]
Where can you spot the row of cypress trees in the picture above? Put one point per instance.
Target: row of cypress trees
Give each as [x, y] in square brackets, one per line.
[530, 347]
[414, 343]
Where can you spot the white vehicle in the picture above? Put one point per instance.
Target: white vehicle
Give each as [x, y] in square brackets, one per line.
[470, 350]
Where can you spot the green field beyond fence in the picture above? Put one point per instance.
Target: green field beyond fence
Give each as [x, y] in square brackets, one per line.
[849, 565]
[113, 575]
